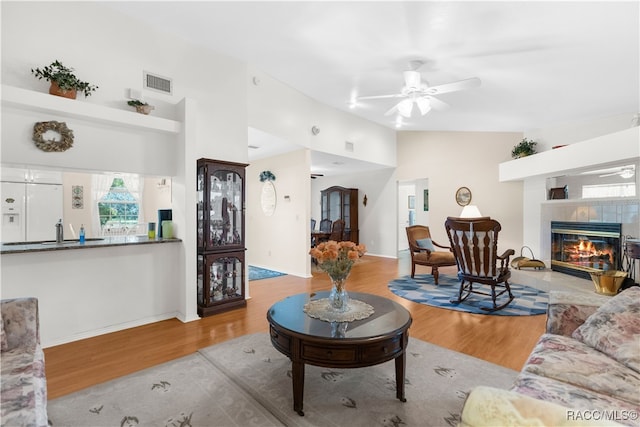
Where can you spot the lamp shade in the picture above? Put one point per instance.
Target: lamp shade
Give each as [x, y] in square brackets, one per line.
[470, 211]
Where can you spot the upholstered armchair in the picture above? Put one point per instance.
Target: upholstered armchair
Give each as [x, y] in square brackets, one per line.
[423, 251]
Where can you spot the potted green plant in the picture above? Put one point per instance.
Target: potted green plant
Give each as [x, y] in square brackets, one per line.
[526, 147]
[141, 107]
[63, 81]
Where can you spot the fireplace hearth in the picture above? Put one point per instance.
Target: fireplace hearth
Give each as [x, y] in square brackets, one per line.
[580, 248]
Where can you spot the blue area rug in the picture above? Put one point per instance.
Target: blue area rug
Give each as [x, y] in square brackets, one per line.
[527, 301]
[257, 273]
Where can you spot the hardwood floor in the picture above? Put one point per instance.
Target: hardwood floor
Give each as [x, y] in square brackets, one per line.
[503, 340]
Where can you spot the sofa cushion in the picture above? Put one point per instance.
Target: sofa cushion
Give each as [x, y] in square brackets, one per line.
[3, 338]
[568, 310]
[614, 328]
[23, 393]
[576, 398]
[568, 360]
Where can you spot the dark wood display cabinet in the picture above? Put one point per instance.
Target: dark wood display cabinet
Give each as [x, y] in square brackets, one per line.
[342, 203]
[220, 228]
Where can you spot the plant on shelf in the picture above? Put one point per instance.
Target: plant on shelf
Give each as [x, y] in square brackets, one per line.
[526, 147]
[141, 107]
[63, 81]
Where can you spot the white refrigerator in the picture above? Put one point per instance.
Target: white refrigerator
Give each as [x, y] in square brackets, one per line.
[30, 211]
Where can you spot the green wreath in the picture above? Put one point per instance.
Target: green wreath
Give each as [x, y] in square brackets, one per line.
[66, 136]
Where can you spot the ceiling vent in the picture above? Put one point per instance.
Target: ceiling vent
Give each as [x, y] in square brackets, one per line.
[158, 83]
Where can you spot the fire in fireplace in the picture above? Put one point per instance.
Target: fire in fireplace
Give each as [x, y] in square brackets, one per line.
[579, 248]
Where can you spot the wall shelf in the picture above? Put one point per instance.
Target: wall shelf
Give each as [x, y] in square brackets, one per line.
[606, 149]
[29, 100]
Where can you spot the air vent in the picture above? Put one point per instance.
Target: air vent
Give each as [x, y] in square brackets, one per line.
[158, 83]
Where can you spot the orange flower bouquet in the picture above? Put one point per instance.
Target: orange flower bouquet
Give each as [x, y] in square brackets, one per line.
[336, 259]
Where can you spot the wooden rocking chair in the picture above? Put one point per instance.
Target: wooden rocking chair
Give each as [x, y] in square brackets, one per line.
[474, 243]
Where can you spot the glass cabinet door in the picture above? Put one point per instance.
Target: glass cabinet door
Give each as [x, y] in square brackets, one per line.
[334, 205]
[225, 209]
[220, 278]
[200, 189]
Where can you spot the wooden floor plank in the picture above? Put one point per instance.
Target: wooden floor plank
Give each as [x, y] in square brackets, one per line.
[503, 340]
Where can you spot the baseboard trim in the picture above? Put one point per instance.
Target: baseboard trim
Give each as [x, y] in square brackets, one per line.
[110, 329]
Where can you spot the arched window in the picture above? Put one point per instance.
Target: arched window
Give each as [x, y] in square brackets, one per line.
[118, 203]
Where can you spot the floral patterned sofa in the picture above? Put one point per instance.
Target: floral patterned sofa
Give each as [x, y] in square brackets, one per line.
[24, 387]
[585, 370]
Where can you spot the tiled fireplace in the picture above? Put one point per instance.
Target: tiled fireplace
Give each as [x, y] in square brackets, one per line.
[579, 248]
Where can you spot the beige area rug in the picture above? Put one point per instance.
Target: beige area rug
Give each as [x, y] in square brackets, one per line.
[246, 382]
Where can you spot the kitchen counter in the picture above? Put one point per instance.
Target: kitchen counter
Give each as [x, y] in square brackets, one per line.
[92, 243]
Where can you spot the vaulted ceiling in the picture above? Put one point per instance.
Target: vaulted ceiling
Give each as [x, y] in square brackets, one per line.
[541, 64]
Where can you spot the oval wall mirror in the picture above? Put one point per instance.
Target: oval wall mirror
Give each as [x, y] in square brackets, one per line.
[268, 198]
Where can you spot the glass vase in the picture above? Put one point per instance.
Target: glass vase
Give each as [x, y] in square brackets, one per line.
[338, 297]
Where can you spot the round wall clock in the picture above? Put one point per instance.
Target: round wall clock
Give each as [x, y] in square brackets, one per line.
[52, 136]
[463, 196]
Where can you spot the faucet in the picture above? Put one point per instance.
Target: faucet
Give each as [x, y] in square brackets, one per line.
[59, 231]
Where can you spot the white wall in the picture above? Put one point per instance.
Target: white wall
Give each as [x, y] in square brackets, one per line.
[211, 98]
[404, 191]
[288, 114]
[281, 241]
[86, 292]
[569, 133]
[450, 160]
[112, 52]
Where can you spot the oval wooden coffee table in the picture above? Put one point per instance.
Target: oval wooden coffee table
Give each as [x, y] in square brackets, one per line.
[381, 337]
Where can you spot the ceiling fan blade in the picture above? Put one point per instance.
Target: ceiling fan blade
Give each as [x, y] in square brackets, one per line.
[436, 104]
[391, 110]
[455, 86]
[609, 174]
[397, 95]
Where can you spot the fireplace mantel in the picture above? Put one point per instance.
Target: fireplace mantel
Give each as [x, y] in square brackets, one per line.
[596, 152]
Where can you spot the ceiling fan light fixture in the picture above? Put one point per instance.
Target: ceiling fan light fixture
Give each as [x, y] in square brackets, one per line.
[627, 173]
[405, 107]
[412, 79]
[424, 105]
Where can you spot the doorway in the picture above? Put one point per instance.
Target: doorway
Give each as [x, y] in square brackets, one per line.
[413, 207]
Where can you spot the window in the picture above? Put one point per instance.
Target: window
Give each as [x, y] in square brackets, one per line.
[118, 208]
[609, 190]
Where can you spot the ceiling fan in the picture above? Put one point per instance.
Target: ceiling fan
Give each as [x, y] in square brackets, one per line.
[624, 172]
[417, 92]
